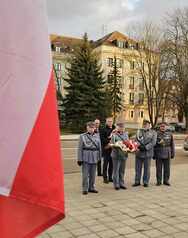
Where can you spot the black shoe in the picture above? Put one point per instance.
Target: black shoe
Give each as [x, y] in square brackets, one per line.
[123, 187]
[117, 188]
[158, 184]
[93, 191]
[146, 185]
[106, 181]
[136, 185]
[166, 183]
[110, 180]
[84, 192]
[99, 175]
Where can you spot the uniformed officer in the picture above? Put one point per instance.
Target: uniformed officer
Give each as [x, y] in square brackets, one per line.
[119, 157]
[146, 139]
[97, 131]
[89, 152]
[106, 150]
[164, 151]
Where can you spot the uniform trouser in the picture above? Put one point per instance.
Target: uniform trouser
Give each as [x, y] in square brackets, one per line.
[118, 172]
[107, 166]
[88, 176]
[99, 168]
[139, 163]
[162, 166]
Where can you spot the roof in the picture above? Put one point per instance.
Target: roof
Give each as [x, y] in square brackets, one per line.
[110, 38]
[68, 43]
[64, 41]
[107, 39]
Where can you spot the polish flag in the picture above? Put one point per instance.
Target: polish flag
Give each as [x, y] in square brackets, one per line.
[31, 175]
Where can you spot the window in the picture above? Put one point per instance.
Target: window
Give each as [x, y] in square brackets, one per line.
[131, 98]
[119, 80]
[131, 114]
[52, 47]
[154, 83]
[110, 62]
[141, 84]
[123, 81]
[119, 63]
[58, 49]
[131, 84]
[58, 66]
[141, 98]
[126, 44]
[120, 44]
[110, 78]
[59, 74]
[132, 65]
[142, 114]
[62, 49]
[59, 82]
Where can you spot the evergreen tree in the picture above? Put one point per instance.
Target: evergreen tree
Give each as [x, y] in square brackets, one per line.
[114, 89]
[85, 94]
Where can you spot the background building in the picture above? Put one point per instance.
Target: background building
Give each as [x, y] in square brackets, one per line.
[62, 48]
[124, 49]
[112, 45]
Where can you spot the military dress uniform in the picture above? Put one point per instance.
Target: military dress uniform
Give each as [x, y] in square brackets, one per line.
[147, 140]
[89, 153]
[164, 151]
[119, 160]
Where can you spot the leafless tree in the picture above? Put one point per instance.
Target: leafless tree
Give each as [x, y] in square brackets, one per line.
[152, 67]
[176, 36]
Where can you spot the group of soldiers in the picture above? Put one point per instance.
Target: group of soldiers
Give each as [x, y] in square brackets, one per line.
[95, 146]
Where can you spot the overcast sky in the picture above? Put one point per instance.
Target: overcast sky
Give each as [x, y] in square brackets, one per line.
[74, 17]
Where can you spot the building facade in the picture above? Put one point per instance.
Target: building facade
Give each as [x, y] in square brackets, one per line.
[133, 94]
[112, 45]
[62, 48]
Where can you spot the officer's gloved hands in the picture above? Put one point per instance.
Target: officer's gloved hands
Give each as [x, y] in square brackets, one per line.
[79, 163]
[142, 148]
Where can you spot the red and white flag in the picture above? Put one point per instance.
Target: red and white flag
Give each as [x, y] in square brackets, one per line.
[31, 176]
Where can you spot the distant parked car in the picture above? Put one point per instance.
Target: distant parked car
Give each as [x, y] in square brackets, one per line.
[170, 128]
[182, 125]
[185, 146]
[178, 127]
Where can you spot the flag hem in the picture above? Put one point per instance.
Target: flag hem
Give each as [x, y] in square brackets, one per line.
[37, 203]
[45, 226]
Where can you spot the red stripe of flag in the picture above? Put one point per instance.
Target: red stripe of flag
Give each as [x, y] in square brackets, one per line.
[37, 197]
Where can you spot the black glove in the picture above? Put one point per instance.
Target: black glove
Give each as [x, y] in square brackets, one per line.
[142, 148]
[79, 163]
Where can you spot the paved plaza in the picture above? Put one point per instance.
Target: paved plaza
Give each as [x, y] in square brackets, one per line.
[133, 213]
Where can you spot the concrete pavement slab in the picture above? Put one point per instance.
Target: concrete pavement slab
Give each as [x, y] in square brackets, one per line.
[132, 213]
